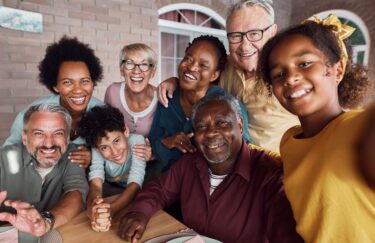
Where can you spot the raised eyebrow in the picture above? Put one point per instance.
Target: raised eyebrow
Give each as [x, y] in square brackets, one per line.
[115, 138]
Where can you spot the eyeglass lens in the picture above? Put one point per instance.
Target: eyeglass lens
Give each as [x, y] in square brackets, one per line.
[130, 65]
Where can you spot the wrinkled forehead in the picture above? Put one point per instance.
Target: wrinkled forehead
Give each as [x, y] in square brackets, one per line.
[248, 18]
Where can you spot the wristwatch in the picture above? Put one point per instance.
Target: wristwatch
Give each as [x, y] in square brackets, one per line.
[48, 216]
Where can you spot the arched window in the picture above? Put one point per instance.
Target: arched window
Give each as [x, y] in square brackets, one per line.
[179, 24]
[360, 40]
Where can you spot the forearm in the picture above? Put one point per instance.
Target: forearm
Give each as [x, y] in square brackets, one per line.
[67, 208]
[125, 198]
[95, 190]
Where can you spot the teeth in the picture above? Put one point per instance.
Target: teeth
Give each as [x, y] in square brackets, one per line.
[78, 101]
[136, 79]
[190, 76]
[213, 146]
[117, 157]
[246, 54]
[48, 151]
[299, 93]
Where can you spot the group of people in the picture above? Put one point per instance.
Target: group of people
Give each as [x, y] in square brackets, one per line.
[211, 143]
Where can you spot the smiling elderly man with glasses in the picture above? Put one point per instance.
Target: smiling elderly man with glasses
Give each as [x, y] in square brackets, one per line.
[254, 20]
[268, 120]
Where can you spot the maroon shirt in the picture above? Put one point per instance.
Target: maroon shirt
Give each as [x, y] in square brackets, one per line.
[248, 206]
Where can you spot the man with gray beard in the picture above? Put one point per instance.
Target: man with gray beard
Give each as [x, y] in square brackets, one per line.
[41, 189]
[228, 190]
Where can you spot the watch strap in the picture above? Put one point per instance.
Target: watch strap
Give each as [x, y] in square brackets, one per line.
[48, 216]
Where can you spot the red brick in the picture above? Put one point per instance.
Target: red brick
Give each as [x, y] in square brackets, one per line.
[79, 30]
[20, 74]
[5, 74]
[95, 24]
[6, 109]
[5, 92]
[94, 9]
[83, 1]
[12, 66]
[118, 13]
[14, 101]
[10, 3]
[29, 7]
[81, 15]
[68, 21]
[27, 92]
[12, 83]
[9, 32]
[56, 28]
[107, 19]
[23, 57]
[23, 41]
[53, 11]
[119, 28]
[44, 2]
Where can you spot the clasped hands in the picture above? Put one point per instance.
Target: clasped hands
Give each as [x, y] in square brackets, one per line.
[100, 215]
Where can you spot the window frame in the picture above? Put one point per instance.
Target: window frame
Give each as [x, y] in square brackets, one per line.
[341, 13]
[172, 27]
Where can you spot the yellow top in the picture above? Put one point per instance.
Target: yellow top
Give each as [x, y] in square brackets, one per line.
[268, 120]
[329, 198]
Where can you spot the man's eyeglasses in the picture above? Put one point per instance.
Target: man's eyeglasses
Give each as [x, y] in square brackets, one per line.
[251, 35]
[130, 65]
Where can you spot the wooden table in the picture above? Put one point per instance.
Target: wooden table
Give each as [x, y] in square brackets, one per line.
[79, 229]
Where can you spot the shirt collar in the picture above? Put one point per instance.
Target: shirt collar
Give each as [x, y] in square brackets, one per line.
[27, 157]
[243, 162]
[242, 166]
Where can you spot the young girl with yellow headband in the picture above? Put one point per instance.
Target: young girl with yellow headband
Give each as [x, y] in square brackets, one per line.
[309, 68]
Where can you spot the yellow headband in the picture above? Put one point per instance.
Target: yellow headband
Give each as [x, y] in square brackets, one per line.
[341, 31]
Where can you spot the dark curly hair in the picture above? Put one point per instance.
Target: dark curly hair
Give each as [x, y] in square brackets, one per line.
[98, 121]
[220, 50]
[355, 84]
[67, 49]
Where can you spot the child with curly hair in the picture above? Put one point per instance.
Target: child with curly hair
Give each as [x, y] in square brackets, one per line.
[104, 129]
[309, 68]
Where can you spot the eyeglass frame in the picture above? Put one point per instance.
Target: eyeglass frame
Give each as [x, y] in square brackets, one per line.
[245, 34]
[149, 65]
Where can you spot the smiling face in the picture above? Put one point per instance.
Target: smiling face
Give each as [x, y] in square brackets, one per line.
[136, 80]
[218, 132]
[46, 137]
[198, 68]
[245, 54]
[302, 78]
[114, 146]
[75, 86]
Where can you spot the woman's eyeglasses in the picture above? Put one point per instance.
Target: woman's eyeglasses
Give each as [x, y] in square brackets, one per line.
[130, 65]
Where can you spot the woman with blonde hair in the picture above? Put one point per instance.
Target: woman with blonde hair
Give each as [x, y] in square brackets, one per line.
[135, 97]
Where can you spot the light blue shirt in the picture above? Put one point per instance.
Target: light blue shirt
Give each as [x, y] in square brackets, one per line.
[132, 170]
[17, 126]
